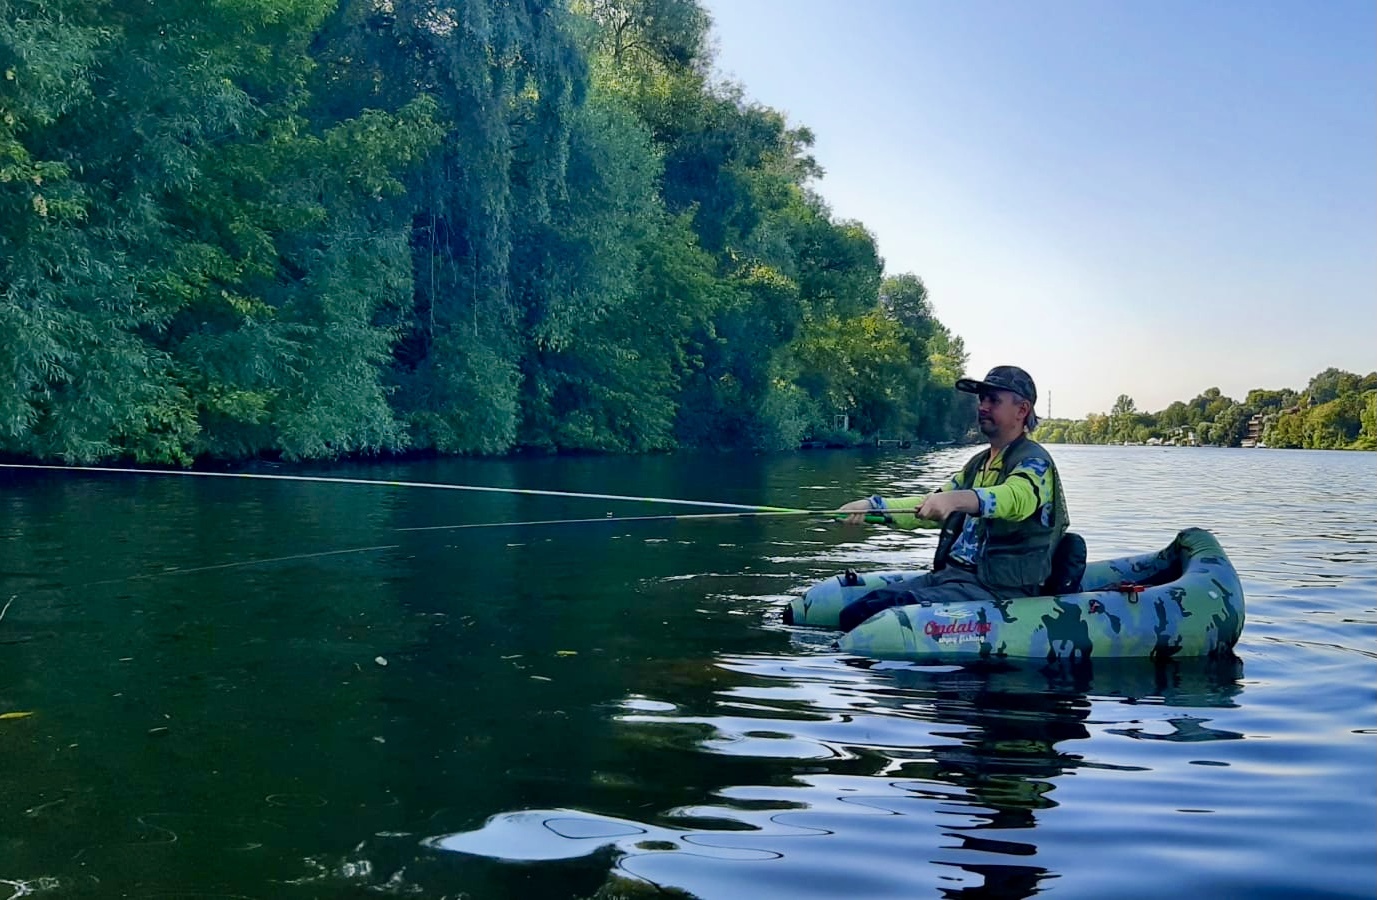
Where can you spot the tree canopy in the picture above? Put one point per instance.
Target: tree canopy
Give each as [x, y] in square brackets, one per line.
[308, 228]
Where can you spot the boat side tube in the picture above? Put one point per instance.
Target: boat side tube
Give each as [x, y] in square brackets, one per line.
[1186, 600]
[821, 604]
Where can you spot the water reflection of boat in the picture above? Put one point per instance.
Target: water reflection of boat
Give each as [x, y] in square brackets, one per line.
[1191, 682]
[1184, 600]
[1013, 746]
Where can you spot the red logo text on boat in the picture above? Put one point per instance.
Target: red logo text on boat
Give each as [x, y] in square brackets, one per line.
[940, 630]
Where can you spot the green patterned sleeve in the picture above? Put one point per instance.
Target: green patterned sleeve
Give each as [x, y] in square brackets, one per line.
[1027, 489]
[901, 509]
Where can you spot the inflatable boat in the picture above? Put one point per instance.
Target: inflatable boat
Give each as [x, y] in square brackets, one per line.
[1182, 601]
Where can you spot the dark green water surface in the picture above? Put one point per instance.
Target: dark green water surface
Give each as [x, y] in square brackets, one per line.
[220, 709]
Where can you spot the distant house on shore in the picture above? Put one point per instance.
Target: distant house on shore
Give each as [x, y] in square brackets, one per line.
[1182, 436]
[1257, 427]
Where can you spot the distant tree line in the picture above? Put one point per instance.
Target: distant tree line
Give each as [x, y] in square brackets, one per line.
[1337, 410]
[307, 228]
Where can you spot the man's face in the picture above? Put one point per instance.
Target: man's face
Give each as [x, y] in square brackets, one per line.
[1001, 413]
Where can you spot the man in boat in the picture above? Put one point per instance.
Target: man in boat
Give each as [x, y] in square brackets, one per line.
[1004, 514]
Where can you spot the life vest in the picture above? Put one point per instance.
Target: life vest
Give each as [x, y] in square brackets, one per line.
[1017, 556]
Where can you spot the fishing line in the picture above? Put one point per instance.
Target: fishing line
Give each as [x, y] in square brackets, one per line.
[146, 576]
[742, 510]
[690, 517]
[235, 565]
[321, 479]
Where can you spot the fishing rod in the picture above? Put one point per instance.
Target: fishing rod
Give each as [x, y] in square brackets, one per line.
[299, 557]
[746, 514]
[322, 479]
[742, 510]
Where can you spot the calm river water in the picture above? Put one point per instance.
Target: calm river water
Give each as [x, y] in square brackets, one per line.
[607, 708]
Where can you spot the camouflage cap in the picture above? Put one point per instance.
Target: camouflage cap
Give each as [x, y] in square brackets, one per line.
[1002, 378]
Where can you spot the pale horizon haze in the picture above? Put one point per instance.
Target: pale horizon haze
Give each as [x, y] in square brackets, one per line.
[1148, 199]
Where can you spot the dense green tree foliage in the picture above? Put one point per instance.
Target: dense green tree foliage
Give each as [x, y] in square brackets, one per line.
[1337, 410]
[307, 228]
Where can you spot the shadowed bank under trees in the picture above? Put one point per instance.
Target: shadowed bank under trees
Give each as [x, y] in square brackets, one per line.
[308, 228]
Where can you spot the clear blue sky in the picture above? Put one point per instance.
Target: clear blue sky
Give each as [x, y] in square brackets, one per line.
[1149, 198]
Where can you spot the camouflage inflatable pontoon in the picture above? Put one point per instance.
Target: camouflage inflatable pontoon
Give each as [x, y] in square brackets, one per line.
[1184, 600]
